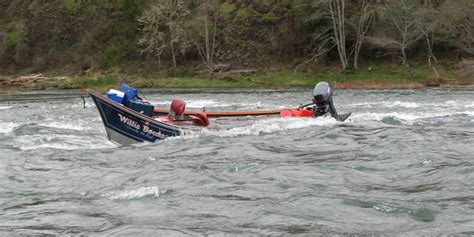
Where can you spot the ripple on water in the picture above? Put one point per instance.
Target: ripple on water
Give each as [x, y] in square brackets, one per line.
[420, 214]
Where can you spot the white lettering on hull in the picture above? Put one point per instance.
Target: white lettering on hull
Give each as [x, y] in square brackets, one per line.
[146, 131]
[150, 131]
[129, 122]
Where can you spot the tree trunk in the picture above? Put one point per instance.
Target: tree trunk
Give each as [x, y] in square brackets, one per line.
[173, 54]
[362, 28]
[338, 16]
[434, 62]
[410, 71]
[206, 35]
[159, 60]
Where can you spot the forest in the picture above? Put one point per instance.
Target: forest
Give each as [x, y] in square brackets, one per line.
[190, 38]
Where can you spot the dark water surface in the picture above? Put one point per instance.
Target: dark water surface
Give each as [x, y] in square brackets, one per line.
[403, 164]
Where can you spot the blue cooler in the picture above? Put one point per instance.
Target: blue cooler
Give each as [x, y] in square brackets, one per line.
[116, 95]
[140, 107]
[130, 93]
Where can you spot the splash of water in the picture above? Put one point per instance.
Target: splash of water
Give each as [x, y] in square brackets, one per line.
[139, 193]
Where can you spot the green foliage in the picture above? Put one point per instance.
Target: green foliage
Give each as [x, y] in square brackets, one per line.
[98, 82]
[40, 64]
[162, 25]
[70, 4]
[227, 8]
[108, 34]
[103, 80]
[33, 6]
[10, 40]
[112, 57]
[383, 75]
[14, 33]
[129, 8]
[243, 14]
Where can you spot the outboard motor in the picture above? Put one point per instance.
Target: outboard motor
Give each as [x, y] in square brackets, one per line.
[322, 98]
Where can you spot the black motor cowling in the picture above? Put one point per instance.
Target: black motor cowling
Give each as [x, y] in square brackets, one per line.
[322, 94]
[322, 98]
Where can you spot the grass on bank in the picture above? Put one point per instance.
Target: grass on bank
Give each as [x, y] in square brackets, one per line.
[383, 76]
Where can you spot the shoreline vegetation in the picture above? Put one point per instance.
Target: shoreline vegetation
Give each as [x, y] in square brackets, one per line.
[377, 76]
[367, 44]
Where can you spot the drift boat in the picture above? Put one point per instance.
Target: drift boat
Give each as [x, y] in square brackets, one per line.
[129, 119]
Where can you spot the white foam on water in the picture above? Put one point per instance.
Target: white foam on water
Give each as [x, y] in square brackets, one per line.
[142, 192]
[6, 127]
[427, 162]
[469, 113]
[209, 103]
[407, 117]
[262, 126]
[79, 104]
[403, 104]
[61, 142]
[387, 104]
[380, 116]
[469, 105]
[408, 104]
[271, 126]
[63, 126]
[364, 104]
[27, 147]
[5, 107]
[206, 103]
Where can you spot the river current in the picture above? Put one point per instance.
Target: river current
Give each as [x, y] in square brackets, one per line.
[403, 163]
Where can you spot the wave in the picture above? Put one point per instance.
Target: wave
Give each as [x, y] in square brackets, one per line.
[62, 125]
[469, 105]
[380, 116]
[408, 104]
[407, 118]
[5, 107]
[60, 142]
[142, 192]
[469, 113]
[390, 104]
[209, 103]
[271, 126]
[6, 127]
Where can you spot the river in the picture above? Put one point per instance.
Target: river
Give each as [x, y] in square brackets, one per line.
[403, 163]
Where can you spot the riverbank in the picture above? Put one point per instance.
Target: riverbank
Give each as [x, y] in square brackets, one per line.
[384, 76]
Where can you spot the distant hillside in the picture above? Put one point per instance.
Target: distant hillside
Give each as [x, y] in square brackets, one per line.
[75, 36]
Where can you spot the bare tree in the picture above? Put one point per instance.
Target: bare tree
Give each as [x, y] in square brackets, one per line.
[337, 12]
[427, 24]
[161, 24]
[345, 27]
[457, 23]
[402, 16]
[210, 30]
[202, 32]
[366, 16]
[321, 49]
